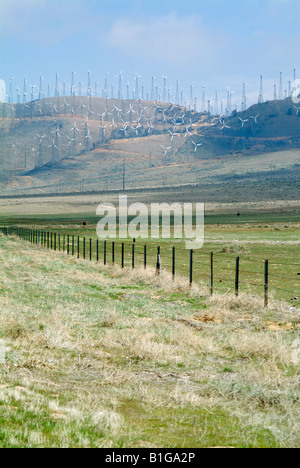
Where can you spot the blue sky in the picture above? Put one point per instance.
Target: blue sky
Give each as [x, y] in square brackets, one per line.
[211, 43]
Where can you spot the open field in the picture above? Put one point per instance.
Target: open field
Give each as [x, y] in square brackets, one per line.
[268, 230]
[98, 358]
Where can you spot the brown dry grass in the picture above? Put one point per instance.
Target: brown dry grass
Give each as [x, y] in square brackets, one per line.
[93, 355]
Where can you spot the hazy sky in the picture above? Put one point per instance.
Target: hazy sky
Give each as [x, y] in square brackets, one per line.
[212, 43]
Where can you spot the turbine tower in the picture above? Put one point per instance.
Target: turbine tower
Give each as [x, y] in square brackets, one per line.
[10, 97]
[280, 87]
[39, 162]
[120, 92]
[203, 105]
[89, 89]
[165, 88]
[261, 92]
[217, 103]
[152, 97]
[137, 92]
[177, 93]
[72, 84]
[244, 99]
[191, 95]
[106, 86]
[24, 91]
[41, 88]
[56, 86]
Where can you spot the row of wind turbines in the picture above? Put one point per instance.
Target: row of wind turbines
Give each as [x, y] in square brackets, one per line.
[160, 91]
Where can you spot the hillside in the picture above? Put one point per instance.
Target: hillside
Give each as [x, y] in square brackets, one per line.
[78, 144]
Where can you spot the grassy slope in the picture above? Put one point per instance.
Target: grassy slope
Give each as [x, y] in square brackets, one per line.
[99, 359]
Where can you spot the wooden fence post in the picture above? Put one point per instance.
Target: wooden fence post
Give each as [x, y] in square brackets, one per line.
[237, 276]
[211, 274]
[173, 263]
[123, 253]
[266, 283]
[158, 262]
[133, 256]
[191, 266]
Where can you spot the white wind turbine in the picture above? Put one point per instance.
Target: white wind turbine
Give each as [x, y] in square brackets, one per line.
[187, 131]
[165, 88]
[297, 109]
[166, 150]
[40, 155]
[243, 121]
[196, 145]
[173, 134]
[137, 91]
[120, 91]
[255, 118]
[54, 151]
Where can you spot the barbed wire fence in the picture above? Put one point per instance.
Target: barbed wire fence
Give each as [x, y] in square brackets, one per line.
[237, 273]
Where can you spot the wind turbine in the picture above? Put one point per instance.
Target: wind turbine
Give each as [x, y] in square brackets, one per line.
[188, 133]
[54, 151]
[57, 136]
[41, 87]
[73, 84]
[137, 92]
[24, 90]
[87, 136]
[152, 97]
[243, 121]
[166, 149]
[40, 154]
[96, 88]
[150, 127]
[297, 109]
[32, 91]
[165, 88]
[106, 85]
[197, 145]
[10, 96]
[254, 118]
[177, 93]
[173, 134]
[74, 129]
[89, 89]
[56, 92]
[243, 127]
[120, 91]
[222, 129]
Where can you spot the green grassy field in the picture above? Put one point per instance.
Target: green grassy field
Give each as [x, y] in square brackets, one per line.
[255, 237]
[99, 357]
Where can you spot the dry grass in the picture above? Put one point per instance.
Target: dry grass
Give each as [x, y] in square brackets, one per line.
[98, 358]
